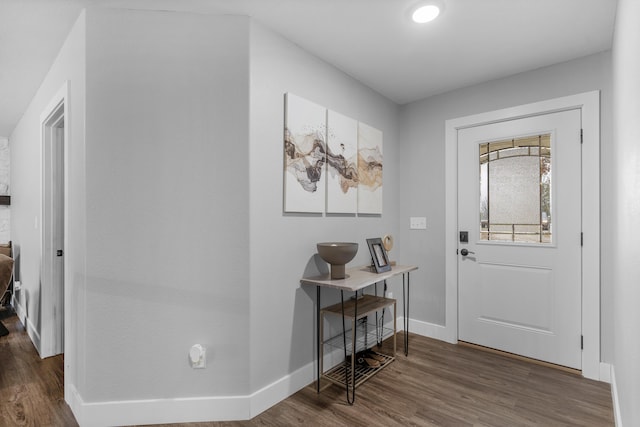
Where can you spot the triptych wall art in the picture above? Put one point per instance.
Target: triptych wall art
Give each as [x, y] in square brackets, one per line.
[333, 163]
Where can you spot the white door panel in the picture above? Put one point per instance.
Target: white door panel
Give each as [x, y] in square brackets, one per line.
[524, 296]
[521, 292]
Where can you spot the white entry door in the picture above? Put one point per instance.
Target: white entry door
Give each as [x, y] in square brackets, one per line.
[519, 211]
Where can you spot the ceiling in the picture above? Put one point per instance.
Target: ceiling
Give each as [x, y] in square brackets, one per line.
[372, 40]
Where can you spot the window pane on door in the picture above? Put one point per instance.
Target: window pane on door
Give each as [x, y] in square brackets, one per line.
[515, 190]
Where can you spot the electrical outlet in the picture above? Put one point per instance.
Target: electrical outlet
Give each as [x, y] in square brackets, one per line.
[198, 357]
[418, 223]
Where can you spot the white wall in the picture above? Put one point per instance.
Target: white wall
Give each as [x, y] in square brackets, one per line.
[26, 184]
[282, 245]
[626, 251]
[167, 207]
[167, 191]
[421, 160]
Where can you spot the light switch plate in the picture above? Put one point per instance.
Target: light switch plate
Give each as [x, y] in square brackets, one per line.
[418, 223]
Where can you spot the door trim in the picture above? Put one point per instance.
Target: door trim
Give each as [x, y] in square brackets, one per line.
[589, 104]
[47, 345]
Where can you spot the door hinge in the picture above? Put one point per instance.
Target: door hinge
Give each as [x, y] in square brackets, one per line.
[581, 136]
[581, 342]
[581, 238]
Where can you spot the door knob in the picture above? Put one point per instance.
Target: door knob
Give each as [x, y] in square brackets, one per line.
[465, 252]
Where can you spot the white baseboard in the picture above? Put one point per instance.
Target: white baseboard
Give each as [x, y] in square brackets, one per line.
[605, 372]
[26, 321]
[279, 390]
[186, 410]
[426, 329]
[614, 397]
[160, 411]
[20, 311]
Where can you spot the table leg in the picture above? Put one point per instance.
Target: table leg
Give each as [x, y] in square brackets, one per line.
[375, 292]
[380, 325]
[318, 354]
[351, 400]
[405, 311]
[378, 340]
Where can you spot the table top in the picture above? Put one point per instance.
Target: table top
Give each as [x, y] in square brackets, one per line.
[357, 277]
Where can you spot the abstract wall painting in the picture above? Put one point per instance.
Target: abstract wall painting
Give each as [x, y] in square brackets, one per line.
[304, 155]
[332, 163]
[369, 170]
[342, 163]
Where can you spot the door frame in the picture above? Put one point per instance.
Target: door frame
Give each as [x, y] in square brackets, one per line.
[589, 104]
[59, 103]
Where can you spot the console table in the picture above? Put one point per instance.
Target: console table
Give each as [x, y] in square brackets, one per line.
[358, 278]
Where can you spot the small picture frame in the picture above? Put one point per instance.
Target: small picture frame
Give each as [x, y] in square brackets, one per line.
[379, 257]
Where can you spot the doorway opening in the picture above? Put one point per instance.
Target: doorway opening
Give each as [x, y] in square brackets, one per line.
[53, 229]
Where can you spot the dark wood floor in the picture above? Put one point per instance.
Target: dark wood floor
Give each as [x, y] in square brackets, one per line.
[31, 389]
[439, 384]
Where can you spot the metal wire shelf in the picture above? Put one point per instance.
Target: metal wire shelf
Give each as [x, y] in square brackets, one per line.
[362, 373]
[367, 335]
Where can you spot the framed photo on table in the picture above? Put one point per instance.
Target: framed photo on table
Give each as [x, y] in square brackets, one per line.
[379, 257]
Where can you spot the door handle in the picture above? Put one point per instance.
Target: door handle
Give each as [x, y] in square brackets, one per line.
[465, 252]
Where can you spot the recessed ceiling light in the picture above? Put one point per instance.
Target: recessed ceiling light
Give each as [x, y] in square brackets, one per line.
[425, 13]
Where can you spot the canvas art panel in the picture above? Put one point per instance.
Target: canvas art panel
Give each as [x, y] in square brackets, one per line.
[304, 155]
[369, 170]
[342, 163]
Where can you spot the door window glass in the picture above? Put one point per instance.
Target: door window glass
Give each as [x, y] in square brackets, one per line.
[515, 190]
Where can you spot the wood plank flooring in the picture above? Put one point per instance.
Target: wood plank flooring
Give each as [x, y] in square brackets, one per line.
[439, 384]
[31, 389]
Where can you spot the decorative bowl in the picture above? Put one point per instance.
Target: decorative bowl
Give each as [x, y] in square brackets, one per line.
[337, 254]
